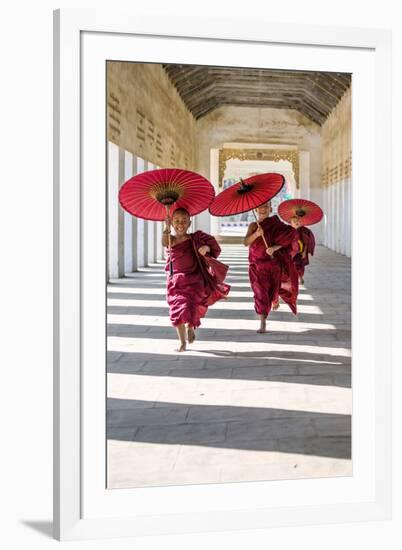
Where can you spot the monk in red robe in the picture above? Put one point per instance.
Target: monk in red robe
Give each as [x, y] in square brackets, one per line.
[195, 278]
[306, 246]
[271, 269]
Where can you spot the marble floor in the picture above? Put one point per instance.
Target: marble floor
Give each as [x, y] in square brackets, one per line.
[237, 406]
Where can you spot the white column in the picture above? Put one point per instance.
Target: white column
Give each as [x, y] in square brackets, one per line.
[158, 241]
[112, 190]
[158, 249]
[343, 218]
[151, 240]
[328, 210]
[337, 222]
[304, 175]
[350, 215]
[317, 195]
[151, 231]
[205, 221]
[128, 219]
[325, 220]
[348, 210]
[145, 229]
[213, 226]
[121, 214]
[141, 228]
[134, 226]
[329, 215]
[337, 217]
[115, 212]
[140, 243]
[332, 212]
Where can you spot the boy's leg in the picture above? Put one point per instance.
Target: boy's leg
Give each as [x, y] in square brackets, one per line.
[260, 287]
[263, 324]
[181, 333]
[301, 275]
[190, 334]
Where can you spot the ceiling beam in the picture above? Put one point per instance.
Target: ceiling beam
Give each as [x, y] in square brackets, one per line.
[204, 88]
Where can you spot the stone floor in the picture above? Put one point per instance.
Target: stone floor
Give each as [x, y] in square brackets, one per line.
[237, 406]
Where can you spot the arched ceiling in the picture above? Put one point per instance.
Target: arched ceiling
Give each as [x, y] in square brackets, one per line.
[203, 89]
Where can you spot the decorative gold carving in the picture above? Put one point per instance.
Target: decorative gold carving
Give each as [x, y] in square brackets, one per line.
[337, 172]
[150, 132]
[114, 113]
[140, 126]
[172, 155]
[159, 148]
[290, 155]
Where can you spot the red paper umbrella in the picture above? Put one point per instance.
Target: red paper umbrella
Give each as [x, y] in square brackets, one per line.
[150, 194]
[247, 194]
[308, 212]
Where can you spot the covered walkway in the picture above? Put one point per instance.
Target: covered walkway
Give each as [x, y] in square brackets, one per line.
[237, 406]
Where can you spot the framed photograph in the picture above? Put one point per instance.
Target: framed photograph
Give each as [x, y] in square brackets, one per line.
[245, 428]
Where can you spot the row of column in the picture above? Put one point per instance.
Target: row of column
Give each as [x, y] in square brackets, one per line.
[132, 242]
[338, 213]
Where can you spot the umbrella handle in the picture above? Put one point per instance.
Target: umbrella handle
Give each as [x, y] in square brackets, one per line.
[170, 244]
[258, 223]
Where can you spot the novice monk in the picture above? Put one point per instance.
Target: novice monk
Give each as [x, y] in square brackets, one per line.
[191, 288]
[271, 270]
[306, 244]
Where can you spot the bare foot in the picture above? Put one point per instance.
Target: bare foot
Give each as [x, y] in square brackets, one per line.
[182, 347]
[190, 335]
[263, 328]
[275, 306]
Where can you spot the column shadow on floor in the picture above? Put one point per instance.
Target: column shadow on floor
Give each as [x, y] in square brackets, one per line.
[328, 370]
[327, 338]
[230, 427]
[238, 427]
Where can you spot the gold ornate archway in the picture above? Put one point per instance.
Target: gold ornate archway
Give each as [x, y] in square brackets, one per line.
[291, 155]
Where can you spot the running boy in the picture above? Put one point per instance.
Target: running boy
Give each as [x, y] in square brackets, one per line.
[192, 286]
[306, 246]
[271, 270]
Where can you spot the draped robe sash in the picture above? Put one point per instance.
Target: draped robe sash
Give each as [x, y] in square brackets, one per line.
[197, 281]
[306, 242]
[274, 276]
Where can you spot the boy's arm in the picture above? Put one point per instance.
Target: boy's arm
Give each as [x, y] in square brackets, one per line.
[204, 249]
[253, 232]
[206, 244]
[285, 235]
[166, 233]
[272, 249]
[165, 237]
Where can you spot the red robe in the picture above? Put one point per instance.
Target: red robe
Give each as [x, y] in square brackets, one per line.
[274, 276]
[306, 242]
[197, 281]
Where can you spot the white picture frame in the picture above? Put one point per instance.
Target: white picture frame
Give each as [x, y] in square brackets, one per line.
[84, 40]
